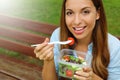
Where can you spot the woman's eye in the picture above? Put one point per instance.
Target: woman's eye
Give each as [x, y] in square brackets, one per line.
[69, 13]
[86, 12]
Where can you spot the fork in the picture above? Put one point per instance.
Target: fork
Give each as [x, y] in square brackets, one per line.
[56, 42]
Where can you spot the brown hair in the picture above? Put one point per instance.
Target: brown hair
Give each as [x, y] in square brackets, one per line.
[100, 52]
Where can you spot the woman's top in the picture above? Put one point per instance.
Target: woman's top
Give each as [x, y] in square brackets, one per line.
[114, 49]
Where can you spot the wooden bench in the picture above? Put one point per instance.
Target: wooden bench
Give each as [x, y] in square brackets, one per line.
[17, 35]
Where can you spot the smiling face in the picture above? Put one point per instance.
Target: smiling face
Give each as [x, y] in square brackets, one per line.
[81, 16]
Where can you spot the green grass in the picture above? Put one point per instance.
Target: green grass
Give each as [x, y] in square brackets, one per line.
[48, 11]
[112, 8]
[39, 10]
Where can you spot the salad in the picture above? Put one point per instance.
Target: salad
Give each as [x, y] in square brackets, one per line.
[68, 64]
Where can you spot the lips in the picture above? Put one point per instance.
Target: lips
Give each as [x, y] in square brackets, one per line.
[79, 30]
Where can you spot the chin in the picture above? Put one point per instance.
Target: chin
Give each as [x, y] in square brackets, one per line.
[79, 37]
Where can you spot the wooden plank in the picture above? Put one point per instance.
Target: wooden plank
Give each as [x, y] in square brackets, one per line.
[21, 71]
[6, 77]
[27, 50]
[27, 24]
[21, 36]
[10, 67]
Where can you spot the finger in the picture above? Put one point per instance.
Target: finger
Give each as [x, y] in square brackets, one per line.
[45, 53]
[87, 69]
[39, 47]
[46, 48]
[49, 56]
[83, 74]
[52, 57]
[46, 40]
[80, 77]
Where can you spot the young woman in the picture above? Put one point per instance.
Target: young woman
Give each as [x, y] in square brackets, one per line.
[85, 21]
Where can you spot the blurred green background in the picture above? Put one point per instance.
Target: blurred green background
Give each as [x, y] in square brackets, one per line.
[48, 11]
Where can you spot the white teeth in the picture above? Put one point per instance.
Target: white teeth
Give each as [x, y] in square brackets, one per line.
[78, 28]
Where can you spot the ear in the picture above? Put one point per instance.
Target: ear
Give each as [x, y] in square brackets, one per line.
[98, 14]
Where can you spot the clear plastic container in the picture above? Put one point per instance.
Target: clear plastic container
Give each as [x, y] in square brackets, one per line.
[71, 61]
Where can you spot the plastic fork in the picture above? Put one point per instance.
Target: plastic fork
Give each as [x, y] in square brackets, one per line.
[56, 42]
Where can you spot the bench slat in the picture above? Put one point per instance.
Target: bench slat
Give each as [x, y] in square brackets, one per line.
[21, 36]
[6, 77]
[27, 50]
[19, 69]
[27, 24]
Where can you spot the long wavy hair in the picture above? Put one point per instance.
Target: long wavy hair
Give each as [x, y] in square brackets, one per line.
[100, 52]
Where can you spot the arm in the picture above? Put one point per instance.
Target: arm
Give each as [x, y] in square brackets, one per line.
[114, 65]
[49, 72]
[44, 51]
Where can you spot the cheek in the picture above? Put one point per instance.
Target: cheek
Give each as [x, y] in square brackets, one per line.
[68, 21]
[91, 21]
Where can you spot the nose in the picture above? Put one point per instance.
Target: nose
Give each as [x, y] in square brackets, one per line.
[77, 19]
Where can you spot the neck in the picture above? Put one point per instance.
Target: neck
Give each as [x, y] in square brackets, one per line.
[82, 45]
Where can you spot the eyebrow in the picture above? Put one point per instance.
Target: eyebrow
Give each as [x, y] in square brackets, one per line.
[82, 8]
[86, 8]
[68, 10]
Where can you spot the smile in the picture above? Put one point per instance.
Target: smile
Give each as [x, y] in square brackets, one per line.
[79, 30]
